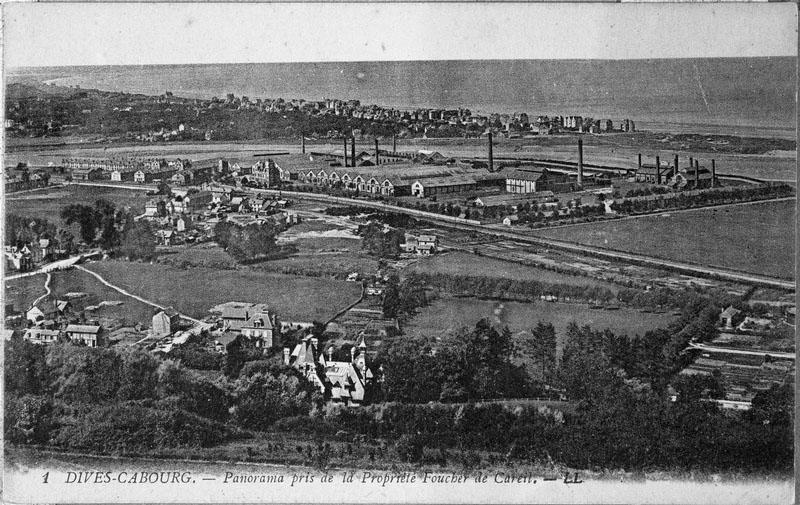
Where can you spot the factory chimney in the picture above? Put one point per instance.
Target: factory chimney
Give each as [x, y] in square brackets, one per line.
[696, 174]
[640, 161]
[491, 154]
[658, 170]
[345, 152]
[353, 151]
[691, 163]
[713, 172]
[675, 172]
[302, 142]
[580, 162]
[377, 156]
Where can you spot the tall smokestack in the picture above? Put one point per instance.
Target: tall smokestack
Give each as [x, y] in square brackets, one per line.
[691, 162]
[377, 156]
[640, 161]
[713, 172]
[394, 143]
[675, 172]
[580, 162]
[696, 174]
[303, 142]
[658, 170]
[345, 152]
[491, 154]
[353, 151]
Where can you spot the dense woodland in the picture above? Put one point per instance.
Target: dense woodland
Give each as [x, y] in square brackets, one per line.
[619, 414]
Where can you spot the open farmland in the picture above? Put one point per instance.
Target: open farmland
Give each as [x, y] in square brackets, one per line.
[757, 238]
[195, 290]
[447, 314]
[462, 263]
[47, 204]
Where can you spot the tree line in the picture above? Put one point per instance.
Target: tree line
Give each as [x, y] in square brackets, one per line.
[112, 401]
[729, 195]
[103, 225]
[249, 243]
[619, 414]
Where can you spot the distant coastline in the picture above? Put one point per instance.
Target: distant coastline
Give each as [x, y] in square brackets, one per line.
[660, 95]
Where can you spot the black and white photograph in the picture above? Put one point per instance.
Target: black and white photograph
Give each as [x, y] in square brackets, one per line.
[399, 252]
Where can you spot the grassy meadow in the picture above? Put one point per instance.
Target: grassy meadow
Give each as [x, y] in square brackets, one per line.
[757, 238]
[195, 290]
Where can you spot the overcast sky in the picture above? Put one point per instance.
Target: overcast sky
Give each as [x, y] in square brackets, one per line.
[39, 34]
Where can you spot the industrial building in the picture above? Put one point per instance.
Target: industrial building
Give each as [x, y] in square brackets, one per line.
[535, 180]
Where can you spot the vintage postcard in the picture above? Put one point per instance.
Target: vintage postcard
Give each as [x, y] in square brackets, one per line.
[402, 253]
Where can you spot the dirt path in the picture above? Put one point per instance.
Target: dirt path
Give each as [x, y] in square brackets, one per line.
[46, 288]
[131, 295]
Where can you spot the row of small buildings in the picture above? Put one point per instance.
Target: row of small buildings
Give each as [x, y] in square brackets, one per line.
[87, 334]
[123, 163]
[141, 171]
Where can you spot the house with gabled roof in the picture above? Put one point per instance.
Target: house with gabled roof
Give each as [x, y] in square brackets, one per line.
[41, 312]
[41, 336]
[89, 334]
[262, 328]
[345, 382]
[165, 322]
[728, 315]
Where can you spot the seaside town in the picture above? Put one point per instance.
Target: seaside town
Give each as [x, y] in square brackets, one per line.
[324, 286]
[198, 119]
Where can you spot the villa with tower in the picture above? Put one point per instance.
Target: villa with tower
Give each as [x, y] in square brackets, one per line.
[347, 382]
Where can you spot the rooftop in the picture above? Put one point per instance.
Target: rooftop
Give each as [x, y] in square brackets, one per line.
[82, 328]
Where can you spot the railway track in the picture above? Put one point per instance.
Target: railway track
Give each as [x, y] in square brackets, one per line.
[572, 247]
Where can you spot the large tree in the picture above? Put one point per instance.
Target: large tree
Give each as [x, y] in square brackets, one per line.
[138, 242]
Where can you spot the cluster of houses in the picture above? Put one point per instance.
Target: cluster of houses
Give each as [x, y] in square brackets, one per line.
[423, 245]
[424, 120]
[138, 170]
[20, 178]
[547, 125]
[732, 319]
[24, 257]
[48, 324]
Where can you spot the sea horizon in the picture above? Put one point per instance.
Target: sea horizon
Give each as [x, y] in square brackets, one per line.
[701, 95]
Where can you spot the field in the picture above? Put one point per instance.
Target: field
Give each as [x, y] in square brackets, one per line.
[131, 310]
[195, 290]
[47, 204]
[207, 254]
[461, 263]
[757, 238]
[21, 292]
[448, 314]
[317, 256]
